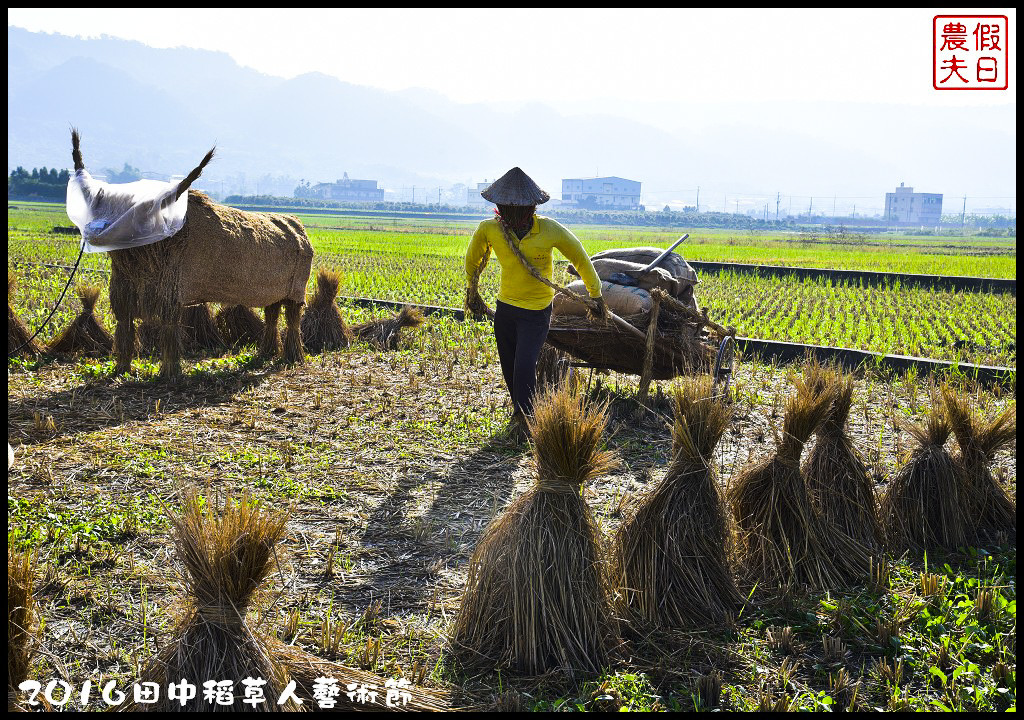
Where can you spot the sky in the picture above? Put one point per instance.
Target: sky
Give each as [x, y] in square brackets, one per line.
[565, 56]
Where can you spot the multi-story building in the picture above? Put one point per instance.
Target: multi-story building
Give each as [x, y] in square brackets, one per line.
[612, 192]
[907, 206]
[348, 189]
[473, 197]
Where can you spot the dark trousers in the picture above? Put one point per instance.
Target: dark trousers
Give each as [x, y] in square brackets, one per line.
[520, 334]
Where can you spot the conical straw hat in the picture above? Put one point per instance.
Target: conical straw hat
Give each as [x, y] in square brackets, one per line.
[515, 188]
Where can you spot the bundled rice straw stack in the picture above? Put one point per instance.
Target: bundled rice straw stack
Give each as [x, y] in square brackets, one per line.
[837, 478]
[926, 504]
[226, 559]
[671, 553]
[385, 333]
[782, 540]
[17, 334]
[979, 440]
[239, 325]
[199, 329]
[21, 628]
[84, 335]
[322, 325]
[537, 596]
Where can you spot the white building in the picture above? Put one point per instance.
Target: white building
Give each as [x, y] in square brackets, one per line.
[907, 206]
[473, 197]
[348, 189]
[611, 192]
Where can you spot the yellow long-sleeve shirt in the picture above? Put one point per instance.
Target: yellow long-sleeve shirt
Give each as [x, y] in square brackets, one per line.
[518, 286]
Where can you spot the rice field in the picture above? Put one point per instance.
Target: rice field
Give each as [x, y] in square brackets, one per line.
[398, 261]
[390, 465]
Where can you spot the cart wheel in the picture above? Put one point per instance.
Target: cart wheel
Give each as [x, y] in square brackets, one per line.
[724, 362]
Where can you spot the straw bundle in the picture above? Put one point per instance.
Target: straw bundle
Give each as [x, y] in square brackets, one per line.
[85, 335]
[671, 553]
[17, 334]
[979, 440]
[239, 325]
[21, 628]
[385, 333]
[198, 330]
[837, 478]
[225, 559]
[927, 504]
[537, 596]
[322, 325]
[782, 540]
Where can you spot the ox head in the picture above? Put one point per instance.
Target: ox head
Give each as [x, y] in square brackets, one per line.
[76, 155]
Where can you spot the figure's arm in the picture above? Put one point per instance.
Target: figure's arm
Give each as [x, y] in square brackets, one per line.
[570, 246]
[476, 256]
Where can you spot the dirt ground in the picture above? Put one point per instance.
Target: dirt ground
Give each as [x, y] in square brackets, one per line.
[389, 464]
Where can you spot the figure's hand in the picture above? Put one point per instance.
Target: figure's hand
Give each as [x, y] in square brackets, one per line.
[475, 305]
[601, 311]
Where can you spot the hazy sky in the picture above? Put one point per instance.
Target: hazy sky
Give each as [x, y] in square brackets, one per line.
[559, 56]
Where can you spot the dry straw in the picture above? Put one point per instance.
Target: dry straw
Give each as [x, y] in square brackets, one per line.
[21, 626]
[384, 333]
[782, 541]
[323, 328]
[672, 551]
[239, 326]
[926, 504]
[198, 330]
[17, 334]
[225, 558]
[837, 477]
[979, 439]
[537, 596]
[85, 335]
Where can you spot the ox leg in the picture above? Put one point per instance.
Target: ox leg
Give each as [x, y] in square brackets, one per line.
[293, 338]
[123, 304]
[170, 342]
[270, 345]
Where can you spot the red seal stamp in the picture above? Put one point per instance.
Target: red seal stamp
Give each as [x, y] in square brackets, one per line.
[970, 52]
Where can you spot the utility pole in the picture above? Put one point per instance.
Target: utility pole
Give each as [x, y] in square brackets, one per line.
[737, 207]
[963, 217]
[413, 194]
[833, 208]
[778, 196]
[698, 198]
[810, 208]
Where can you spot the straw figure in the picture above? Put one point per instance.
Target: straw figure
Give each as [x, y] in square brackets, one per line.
[323, 328]
[926, 504]
[219, 255]
[226, 559]
[21, 625]
[239, 326]
[199, 332]
[782, 540]
[671, 552]
[384, 333]
[837, 477]
[17, 334]
[537, 596]
[85, 335]
[994, 510]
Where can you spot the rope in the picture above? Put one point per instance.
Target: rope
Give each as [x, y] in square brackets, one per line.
[28, 342]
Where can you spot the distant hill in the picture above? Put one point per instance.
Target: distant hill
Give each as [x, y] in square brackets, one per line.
[161, 109]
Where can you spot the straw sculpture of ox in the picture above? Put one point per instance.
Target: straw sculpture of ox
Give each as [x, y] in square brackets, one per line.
[220, 255]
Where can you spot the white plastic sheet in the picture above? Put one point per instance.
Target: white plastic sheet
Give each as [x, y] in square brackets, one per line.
[127, 215]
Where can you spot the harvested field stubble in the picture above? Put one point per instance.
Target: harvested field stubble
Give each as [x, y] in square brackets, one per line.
[390, 462]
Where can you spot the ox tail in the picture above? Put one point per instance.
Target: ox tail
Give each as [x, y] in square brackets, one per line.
[194, 175]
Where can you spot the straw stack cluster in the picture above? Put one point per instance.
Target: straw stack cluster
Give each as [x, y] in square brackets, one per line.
[21, 626]
[993, 510]
[198, 330]
[837, 477]
[239, 326]
[537, 596]
[17, 334]
[323, 328]
[672, 551]
[226, 558]
[926, 503]
[384, 333]
[85, 335]
[783, 542]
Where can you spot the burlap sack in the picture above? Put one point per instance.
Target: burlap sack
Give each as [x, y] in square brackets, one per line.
[674, 263]
[620, 300]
